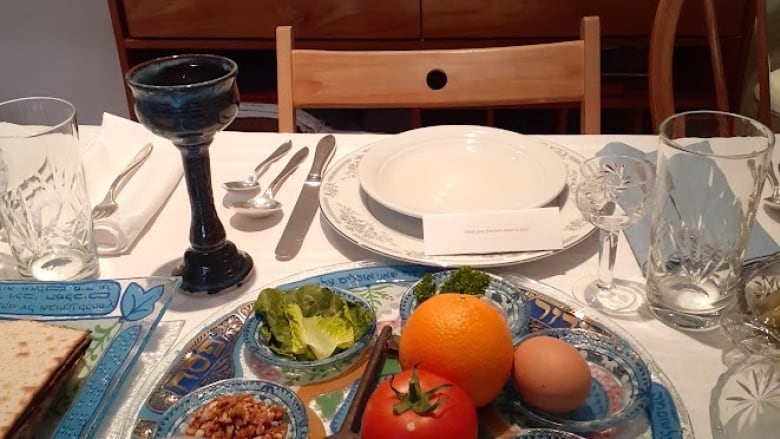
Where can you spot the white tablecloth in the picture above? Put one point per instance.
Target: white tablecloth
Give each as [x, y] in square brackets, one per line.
[693, 361]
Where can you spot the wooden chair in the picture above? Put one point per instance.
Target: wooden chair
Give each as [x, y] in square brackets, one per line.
[662, 39]
[764, 84]
[503, 76]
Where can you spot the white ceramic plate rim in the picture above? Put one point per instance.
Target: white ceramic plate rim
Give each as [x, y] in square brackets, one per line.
[515, 171]
[346, 209]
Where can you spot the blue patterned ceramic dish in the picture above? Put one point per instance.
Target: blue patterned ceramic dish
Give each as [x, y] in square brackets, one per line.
[176, 419]
[307, 372]
[120, 313]
[546, 433]
[619, 391]
[508, 297]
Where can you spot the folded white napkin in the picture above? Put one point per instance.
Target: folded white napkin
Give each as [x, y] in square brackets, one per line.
[143, 194]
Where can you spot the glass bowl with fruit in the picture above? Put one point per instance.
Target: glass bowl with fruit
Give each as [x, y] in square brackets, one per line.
[577, 380]
[508, 297]
[308, 334]
[753, 321]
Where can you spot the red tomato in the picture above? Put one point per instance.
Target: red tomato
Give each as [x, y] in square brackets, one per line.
[435, 408]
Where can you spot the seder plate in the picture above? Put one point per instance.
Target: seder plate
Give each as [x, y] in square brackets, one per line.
[215, 352]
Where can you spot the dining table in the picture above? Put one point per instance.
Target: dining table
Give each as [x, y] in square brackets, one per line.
[693, 361]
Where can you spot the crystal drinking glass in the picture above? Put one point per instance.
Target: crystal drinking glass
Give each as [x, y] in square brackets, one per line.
[613, 194]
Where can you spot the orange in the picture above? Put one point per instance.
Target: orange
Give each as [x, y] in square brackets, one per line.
[462, 338]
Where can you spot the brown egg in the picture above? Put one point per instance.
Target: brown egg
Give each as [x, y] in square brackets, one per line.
[550, 374]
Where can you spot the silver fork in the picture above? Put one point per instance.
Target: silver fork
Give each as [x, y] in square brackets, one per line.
[108, 206]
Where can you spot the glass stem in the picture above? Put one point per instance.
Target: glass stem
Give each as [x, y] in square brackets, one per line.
[607, 251]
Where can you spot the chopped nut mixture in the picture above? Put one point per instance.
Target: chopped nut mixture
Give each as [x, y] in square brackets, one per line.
[238, 417]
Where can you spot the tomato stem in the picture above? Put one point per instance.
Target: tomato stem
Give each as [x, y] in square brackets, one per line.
[416, 399]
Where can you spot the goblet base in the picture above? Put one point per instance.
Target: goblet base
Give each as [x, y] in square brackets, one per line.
[625, 297]
[212, 272]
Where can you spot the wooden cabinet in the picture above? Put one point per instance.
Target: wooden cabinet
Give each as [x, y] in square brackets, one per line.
[244, 30]
[560, 18]
[248, 19]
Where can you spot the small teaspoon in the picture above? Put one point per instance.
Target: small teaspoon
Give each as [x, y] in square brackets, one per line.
[265, 204]
[250, 183]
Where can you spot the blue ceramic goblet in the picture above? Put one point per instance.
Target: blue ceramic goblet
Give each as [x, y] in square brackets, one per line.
[188, 99]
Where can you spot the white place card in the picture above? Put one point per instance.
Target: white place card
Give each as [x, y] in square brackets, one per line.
[492, 232]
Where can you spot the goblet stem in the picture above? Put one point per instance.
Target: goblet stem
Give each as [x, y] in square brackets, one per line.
[212, 263]
[206, 231]
[607, 252]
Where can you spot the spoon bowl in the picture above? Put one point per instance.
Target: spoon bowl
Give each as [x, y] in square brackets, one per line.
[250, 183]
[240, 186]
[258, 207]
[265, 204]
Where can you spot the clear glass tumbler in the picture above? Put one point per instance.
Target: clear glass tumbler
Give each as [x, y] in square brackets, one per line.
[45, 205]
[710, 172]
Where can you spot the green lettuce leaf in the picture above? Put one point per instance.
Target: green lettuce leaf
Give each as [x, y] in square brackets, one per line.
[295, 319]
[271, 305]
[324, 335]
[310, 322]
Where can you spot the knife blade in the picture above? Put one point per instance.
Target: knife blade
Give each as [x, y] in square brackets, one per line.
[307, 204]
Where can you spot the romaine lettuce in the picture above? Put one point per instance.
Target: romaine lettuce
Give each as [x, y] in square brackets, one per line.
[310, 322]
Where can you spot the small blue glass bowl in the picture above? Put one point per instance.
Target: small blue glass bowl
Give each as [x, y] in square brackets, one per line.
[620, 387]
[508, 297]
[546, 433]
[292, 372]
[175, 420]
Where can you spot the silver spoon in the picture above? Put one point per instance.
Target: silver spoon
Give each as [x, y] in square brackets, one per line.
[773, 200]
[251, 182]
[265, 204]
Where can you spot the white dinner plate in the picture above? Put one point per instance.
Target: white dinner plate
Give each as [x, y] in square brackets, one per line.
[461, 168]
[372, 226]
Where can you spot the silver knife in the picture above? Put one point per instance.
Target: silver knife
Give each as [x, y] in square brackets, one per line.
[307, 204]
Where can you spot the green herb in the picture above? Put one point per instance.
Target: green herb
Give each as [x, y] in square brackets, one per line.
[425, 288]
[464, 280]
[310, 322]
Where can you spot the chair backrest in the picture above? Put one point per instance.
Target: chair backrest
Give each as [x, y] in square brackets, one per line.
[762, 63]
[662, 42]
[502, 76]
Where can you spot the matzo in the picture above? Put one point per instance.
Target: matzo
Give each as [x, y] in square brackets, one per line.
[38, 353]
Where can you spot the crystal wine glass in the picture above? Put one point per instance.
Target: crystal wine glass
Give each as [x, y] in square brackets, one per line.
[613, 194]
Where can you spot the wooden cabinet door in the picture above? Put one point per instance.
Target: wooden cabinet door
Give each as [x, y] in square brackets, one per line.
[315, 19]
[561, 18]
